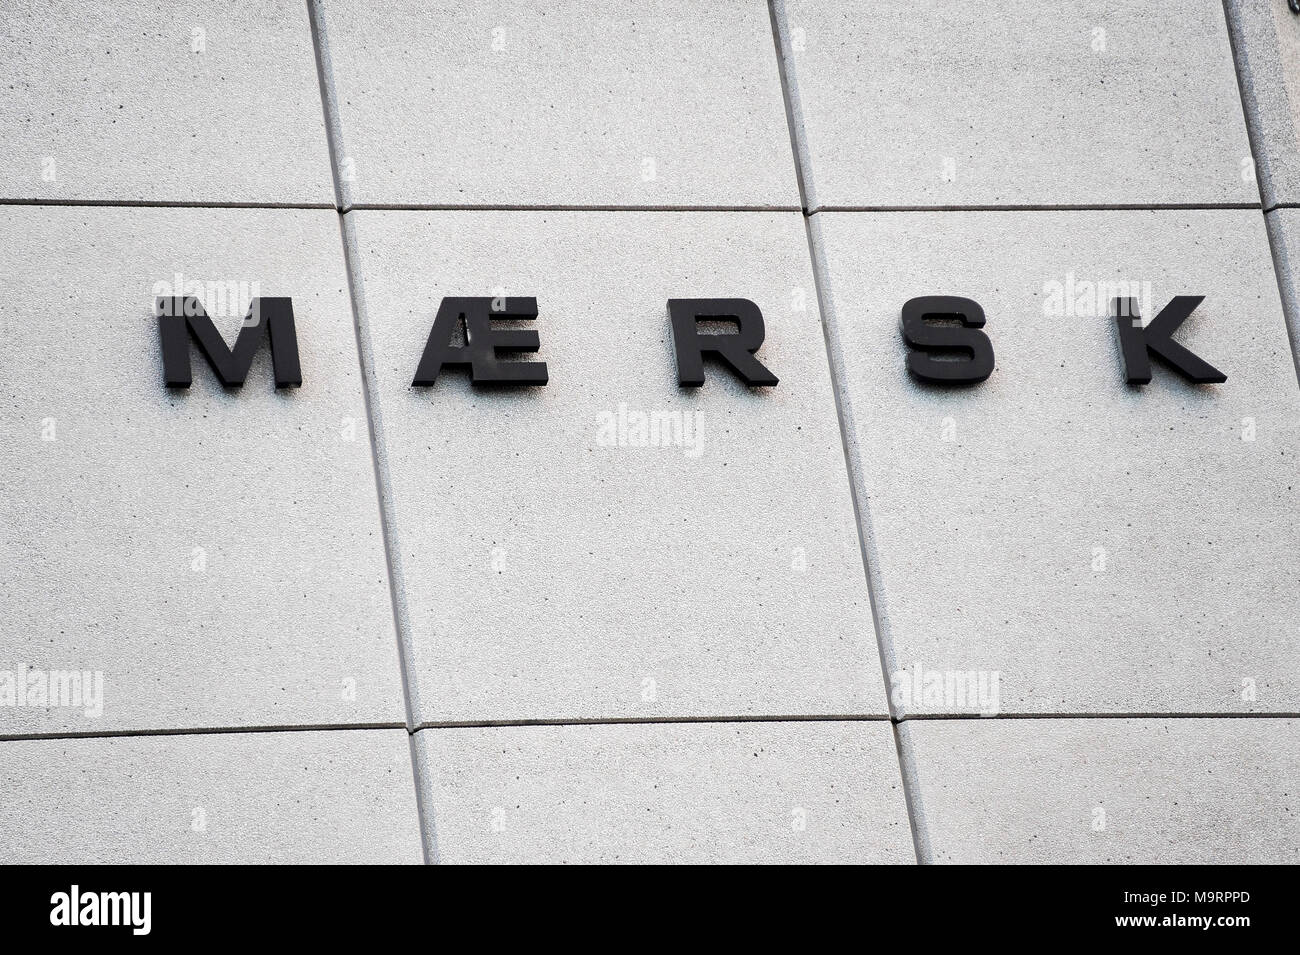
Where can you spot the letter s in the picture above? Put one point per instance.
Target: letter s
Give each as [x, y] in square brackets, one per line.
[926, 340]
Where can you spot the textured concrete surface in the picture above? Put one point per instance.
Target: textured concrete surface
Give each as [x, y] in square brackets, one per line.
[760, 792]
[1116, 791]
[1095, 102]
[217, 555]
[1103, 548]
[1284, 233]
[195, 101]
[301, 797]
[643, 568]
[616, 103]
[552, 567]
[1266, 40]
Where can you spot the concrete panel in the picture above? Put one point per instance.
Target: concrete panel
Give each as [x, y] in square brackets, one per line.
[616, 103]
[560, 561]
[761, 792]
[1266, 40]
[1113, 791]
[343, 796]
[905, 103]
[192, 102]
[1284, 233]
[215, 555]
[1099, 547]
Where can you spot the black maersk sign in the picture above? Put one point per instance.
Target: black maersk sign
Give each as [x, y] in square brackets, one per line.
[1135, 342]
[736, 350]
[180, 319]
[473, 317]
[944, 335]
[928, 340]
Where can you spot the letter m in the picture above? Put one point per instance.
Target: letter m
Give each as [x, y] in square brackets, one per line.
[119, 905]
[180, 319]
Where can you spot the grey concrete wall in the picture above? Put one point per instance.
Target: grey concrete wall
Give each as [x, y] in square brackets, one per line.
[852, 618]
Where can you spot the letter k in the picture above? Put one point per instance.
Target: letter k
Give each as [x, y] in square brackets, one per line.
[1135, 342]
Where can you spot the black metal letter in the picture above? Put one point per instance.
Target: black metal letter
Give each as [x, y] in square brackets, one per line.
[736, 350]
[1135, 342]
[925, 340]
[482, 342]
[180, 318]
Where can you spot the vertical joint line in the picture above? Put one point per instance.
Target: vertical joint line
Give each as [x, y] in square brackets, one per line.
[860, 515]
[333, 134]
[325, 80]
[787, 97]
[1276, 243]
[860, 519]
[912, 798]
[386, 523]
